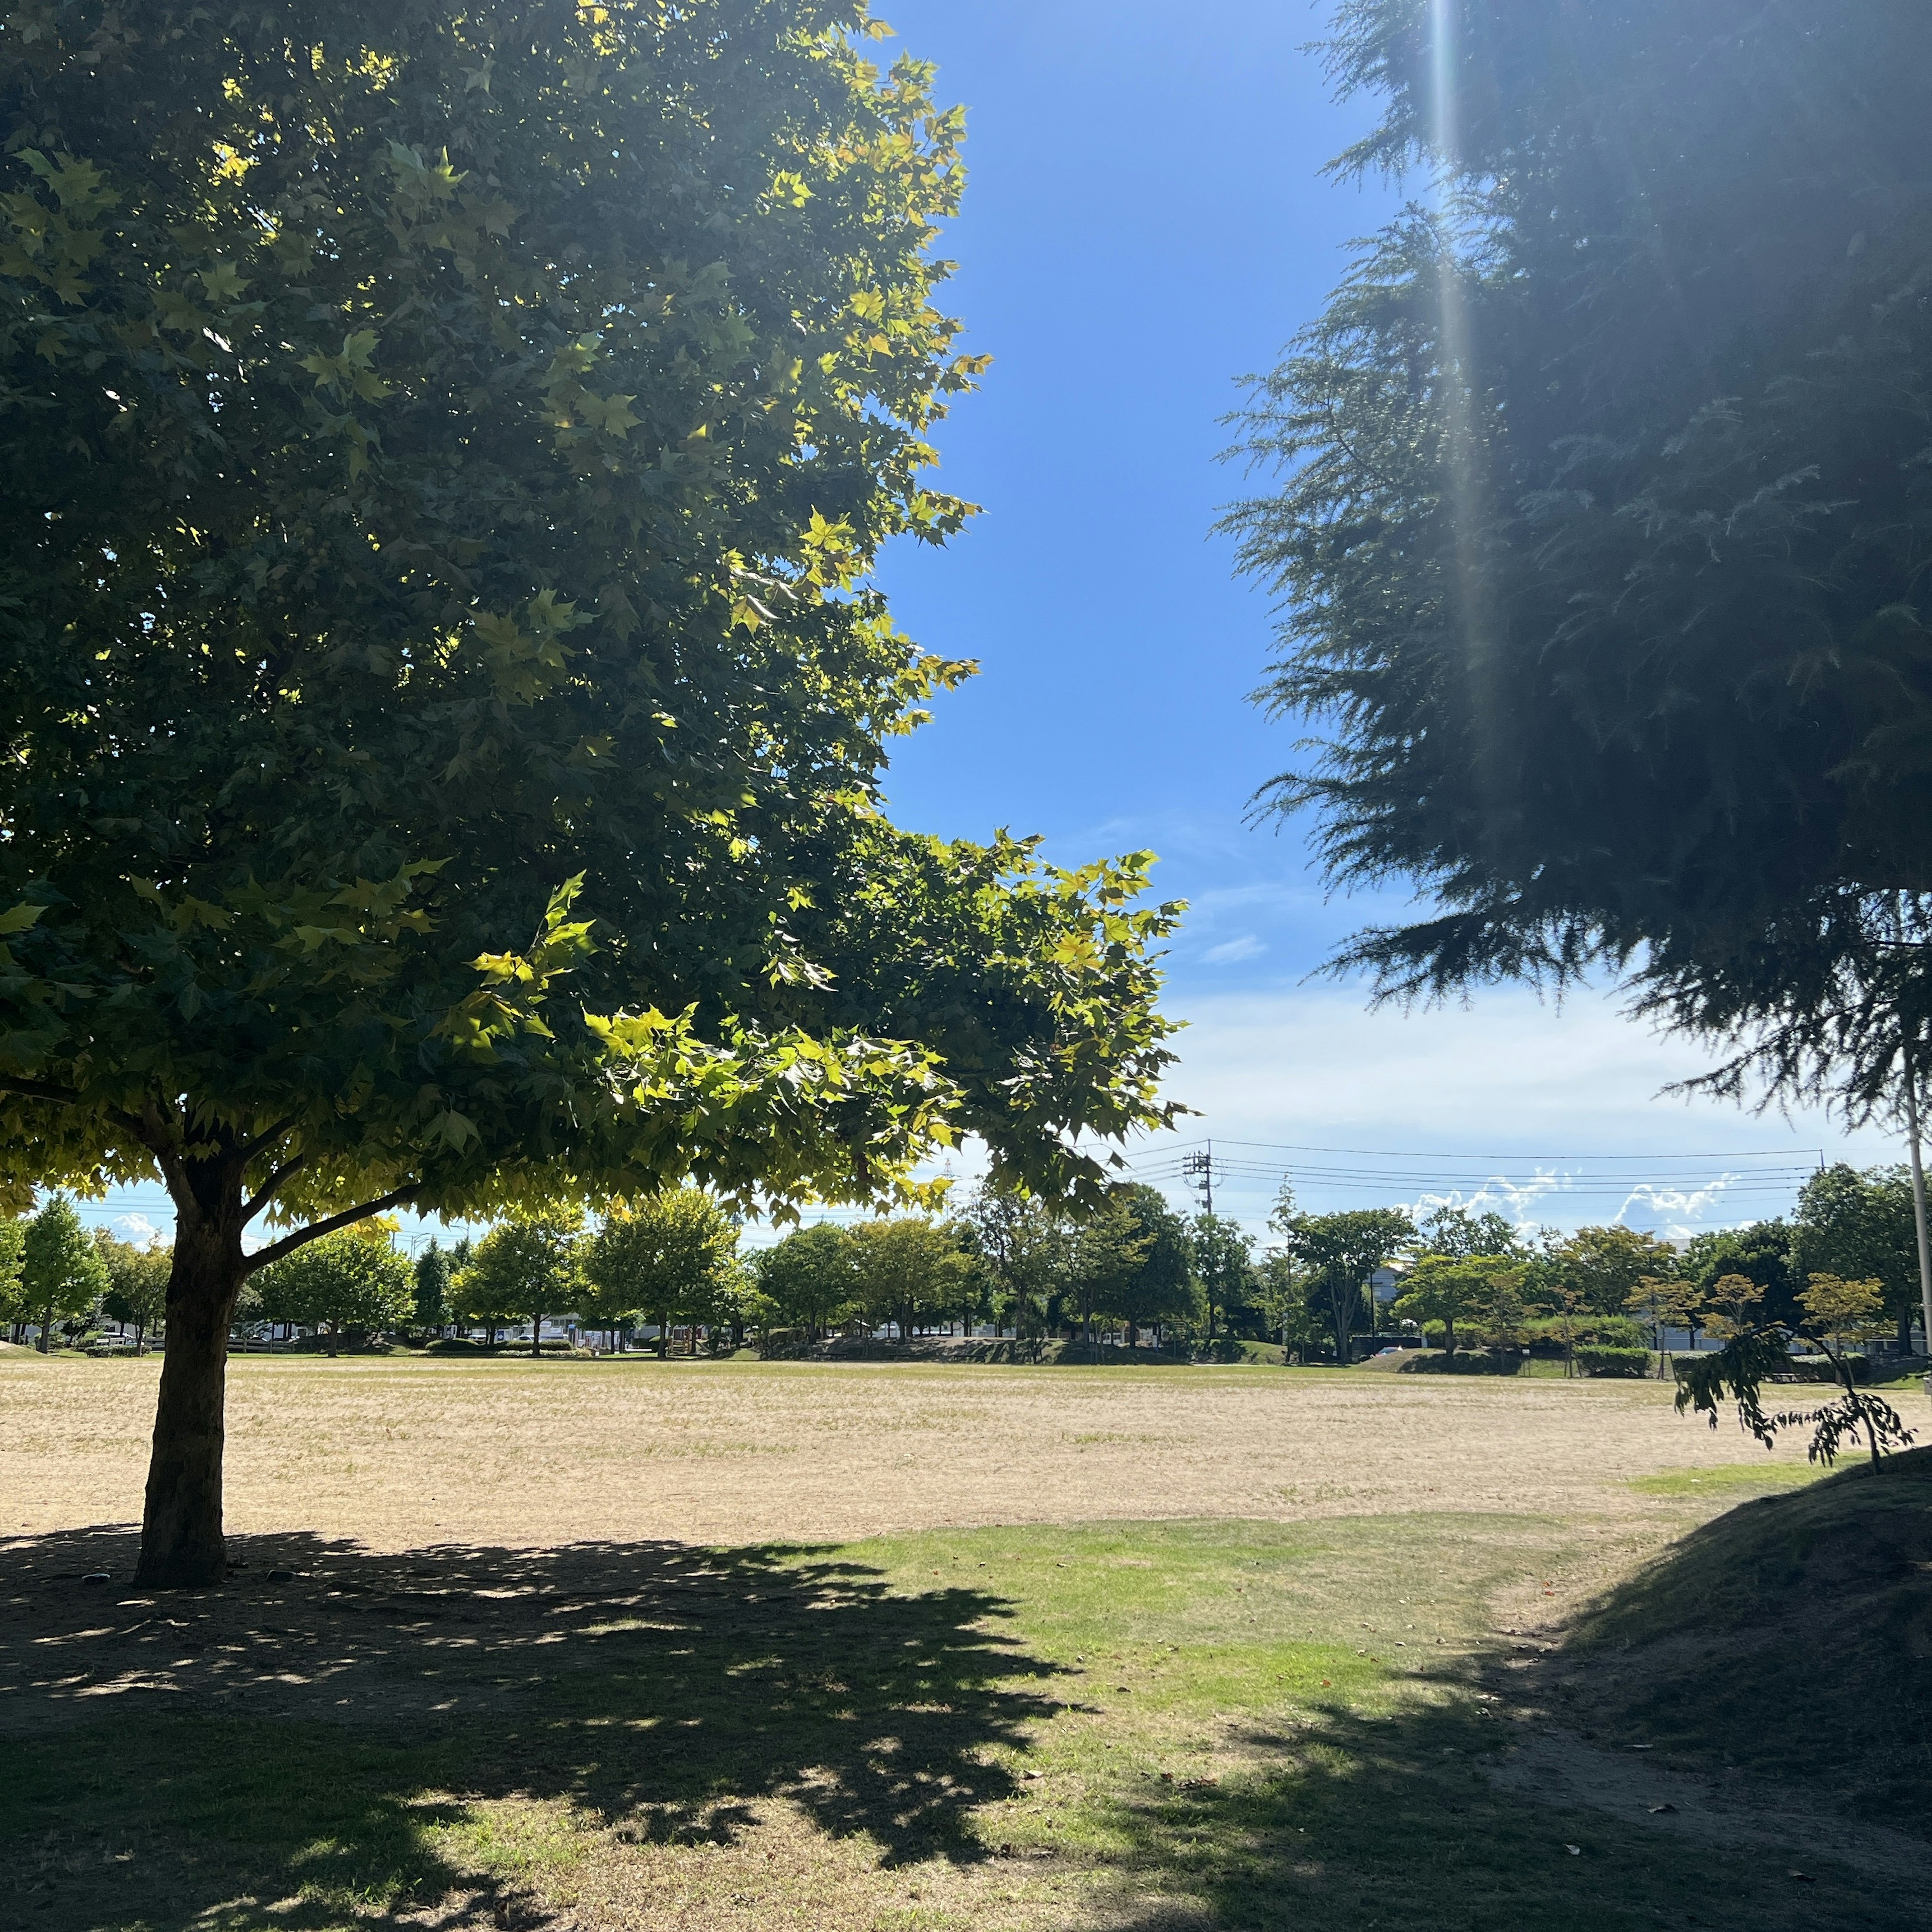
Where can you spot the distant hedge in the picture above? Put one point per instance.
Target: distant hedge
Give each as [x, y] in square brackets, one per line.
[1600, 1361]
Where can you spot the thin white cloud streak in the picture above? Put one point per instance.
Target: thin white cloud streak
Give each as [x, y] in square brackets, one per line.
[1676, 1212]
[1232, 952]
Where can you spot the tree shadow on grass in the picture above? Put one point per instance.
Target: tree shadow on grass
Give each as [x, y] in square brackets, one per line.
[1824, 1591]
[323, 1723]
[1347, 1821]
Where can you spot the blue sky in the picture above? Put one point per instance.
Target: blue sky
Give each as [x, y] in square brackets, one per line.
[1145, 222]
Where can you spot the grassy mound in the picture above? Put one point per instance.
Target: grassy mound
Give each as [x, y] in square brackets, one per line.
[1792, 1635]
[1463, 1362]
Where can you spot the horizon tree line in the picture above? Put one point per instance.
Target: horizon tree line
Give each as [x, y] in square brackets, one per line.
[674, 1264]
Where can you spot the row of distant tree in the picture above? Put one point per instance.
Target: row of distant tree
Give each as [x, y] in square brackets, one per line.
[674, 1263]
[55, 1277]
[1477, 1277]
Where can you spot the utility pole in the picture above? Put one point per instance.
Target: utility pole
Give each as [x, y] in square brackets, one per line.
[1918, 1202]
[1203, 1165]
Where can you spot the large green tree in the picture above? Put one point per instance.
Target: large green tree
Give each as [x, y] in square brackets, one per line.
[1760, 1252]
[61, 1273]
[1460, 1233]
[1338, 1254]
[137, 1282]
[1603, 1264]
[1159, 1286]
[1859, 1226]
[13, 1296]
[807, 1277]
[525, 1268]
[1024, 1244]
[1223, 1252]
[908, 1270]
[1107, 1252]
[442, 451]
[669, 1257]
[1602, 516]
[432, 1275]
[354, 1279]
[1450, 1288]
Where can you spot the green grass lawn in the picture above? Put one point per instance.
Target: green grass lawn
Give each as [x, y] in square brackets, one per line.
[1727, 1481]
[1149, 1726]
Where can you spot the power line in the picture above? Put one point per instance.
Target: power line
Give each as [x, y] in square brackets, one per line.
[1752, 1176]
[1200, 1169]
[1810, 1154]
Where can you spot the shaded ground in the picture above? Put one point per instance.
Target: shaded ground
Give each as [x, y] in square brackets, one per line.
[1634, 1784]
[1148, 1726]
[331, 1721]
[1790, 1638]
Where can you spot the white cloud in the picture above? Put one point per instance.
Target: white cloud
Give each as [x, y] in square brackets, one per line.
[1547, 1115]
[136, 1228]
[1229, 951]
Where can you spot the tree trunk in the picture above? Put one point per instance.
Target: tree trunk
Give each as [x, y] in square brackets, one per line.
[536, 1335]
[1342, 1323]
[47, 1327]
[1842, 1363]
[181, 1545]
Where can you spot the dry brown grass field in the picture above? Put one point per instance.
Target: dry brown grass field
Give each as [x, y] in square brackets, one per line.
[399, 1455]
[719, 1647]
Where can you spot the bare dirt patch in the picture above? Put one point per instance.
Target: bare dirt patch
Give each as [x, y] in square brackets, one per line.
[1558, 1768]
[406, 1455]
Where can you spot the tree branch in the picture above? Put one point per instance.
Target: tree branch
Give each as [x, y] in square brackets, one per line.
[38, 1090]
[269, 1136]
[267, 1192]
[155, 1130]
[63, 1096]
[300, 1238]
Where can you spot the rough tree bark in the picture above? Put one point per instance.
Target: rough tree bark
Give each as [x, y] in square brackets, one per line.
[182, 1546]
[181, 1541]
